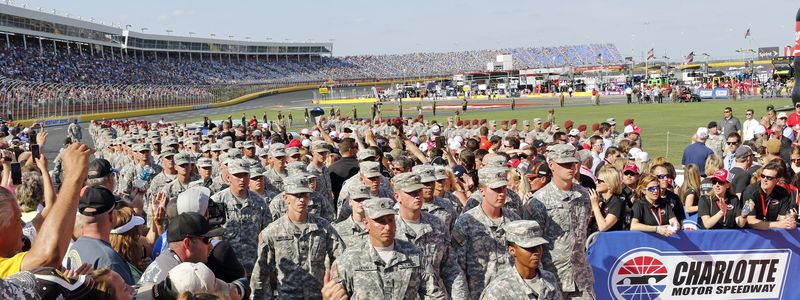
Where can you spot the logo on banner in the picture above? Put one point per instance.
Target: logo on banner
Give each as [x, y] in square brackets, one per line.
[646, 273]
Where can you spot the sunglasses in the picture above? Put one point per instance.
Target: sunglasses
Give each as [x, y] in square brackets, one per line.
[733, 143]
[717, 182]
[769, 178]
[662, 176]
[629, 173]
[653, 189]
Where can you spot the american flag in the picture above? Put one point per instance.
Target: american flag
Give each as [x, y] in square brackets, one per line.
[690, 58]
[747, 33]
[651, 54]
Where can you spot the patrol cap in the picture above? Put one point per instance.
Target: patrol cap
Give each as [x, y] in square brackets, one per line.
[537, 120]
[562, 153]
[225, 145]
[248, 144]
[495, 161]
[256, 170]
[238, 166]
[366, 153]
[169, 141]
[204, 148]
[359, 192]
[205, 162]
[320, 147]
[296, 184]
[139, 147]
[408, 182]
[440, 172]
[167, 152]
[526, 122]
[425, 172]
[183, 158]
[237, 144]
[154, 140]
[234, 153]
[299, 168]
[261, 152]
[215, 147]
[493, 177]
[194, 199]
[369, 169]
[277, 150]
[378, 207]
[292, 151]
[524, 233]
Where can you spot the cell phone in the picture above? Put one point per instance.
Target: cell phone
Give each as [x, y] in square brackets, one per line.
[16, 173]
[34, 151]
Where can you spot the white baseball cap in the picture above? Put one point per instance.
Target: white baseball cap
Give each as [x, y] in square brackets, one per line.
[194, 199]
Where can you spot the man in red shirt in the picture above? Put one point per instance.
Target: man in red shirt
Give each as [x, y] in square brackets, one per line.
[794, 118]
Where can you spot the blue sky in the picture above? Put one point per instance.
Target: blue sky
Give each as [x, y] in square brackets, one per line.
[377, 27]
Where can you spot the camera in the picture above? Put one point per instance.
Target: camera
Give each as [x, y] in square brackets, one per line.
[216, 214]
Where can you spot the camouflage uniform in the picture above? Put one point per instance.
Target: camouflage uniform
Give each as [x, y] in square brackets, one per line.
[479, 243]
[564, 217]
[354, 234]
[20, 285]
[364, 275]
[368, 169]
[245, 218]
[716, 142]
[297, 258]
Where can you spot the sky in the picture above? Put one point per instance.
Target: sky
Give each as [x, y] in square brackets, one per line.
[672, 28]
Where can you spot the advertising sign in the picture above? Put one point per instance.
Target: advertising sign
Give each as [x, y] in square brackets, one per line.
[768, 52]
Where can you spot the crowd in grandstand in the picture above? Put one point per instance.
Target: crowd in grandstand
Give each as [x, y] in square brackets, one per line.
[469, 209]
[60, 65]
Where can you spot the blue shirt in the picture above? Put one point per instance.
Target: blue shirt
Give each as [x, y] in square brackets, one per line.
[99, 254]
[696, 153]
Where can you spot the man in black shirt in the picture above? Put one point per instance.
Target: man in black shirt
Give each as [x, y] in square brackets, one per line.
[771, 203]
[344, 168]
[739, 177]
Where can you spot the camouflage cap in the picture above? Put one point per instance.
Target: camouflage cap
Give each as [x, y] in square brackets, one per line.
[366, 153]
[320, 146]
[292, 151]
[183, 158]
[359, 191]
[238, 166]
[298, 168]
[130, 141]
[167, 152]
[378, 207]
[225, 145]
[139, 147]
[194, 140]
[261, 152]
[440, 172]
[495, 160]
[425, 172]
[205, 163]
[296, 184]
[524, 233]
[256, 170]
[154, 140]
[277, 150]
[493, 177]
[234, 153]
[526, 123]
[248, 144]
[204, 148]
[170, 140]
[369, 169]
[215, 147]
[408, 182]
[237, 144]
[562, 153]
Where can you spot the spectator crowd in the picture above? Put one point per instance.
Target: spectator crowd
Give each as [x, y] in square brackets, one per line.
[400, 208]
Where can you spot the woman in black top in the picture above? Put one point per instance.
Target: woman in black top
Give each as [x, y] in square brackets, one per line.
[607, 207]
[721, 209]
[651, 213]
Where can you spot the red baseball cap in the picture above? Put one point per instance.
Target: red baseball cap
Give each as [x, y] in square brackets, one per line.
[720, 175]
[568, 123]
[632, 168]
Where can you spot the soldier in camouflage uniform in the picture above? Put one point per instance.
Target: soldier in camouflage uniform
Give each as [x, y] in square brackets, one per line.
[167, 174]
[257, 182]
[478, 239]
[715, 141]
[440, 191]
[433, 205]
[130, 172]
[319, 153]
[317, 205]
[249, 152]
[385, 268]
[564, 216]
[204, 170]
[184, 166]
[427, 232]
[276, 170]
[297, 249]
[352, 230]
[513, 200]
[526, 280]
[246, 213]
[369, 174]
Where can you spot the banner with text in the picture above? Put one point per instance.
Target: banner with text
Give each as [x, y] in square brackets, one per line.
[702, 264]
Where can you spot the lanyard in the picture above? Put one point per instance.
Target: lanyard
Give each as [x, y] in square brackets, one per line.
[764, 207]
[657, 216]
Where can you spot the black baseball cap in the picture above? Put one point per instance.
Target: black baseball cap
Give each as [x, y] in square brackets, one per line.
[96, 200]
[538, 143]
[100, 168]
[190, 224]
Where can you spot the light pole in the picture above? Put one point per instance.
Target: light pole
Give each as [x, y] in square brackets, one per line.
[191, 33]
[143, 29]
[705, 58]
[169, 31]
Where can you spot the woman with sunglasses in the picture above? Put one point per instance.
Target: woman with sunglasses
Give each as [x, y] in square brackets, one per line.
[651, 213]
[608, 208]
[721, 209]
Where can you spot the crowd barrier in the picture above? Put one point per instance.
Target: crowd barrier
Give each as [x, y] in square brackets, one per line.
[699, 264]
